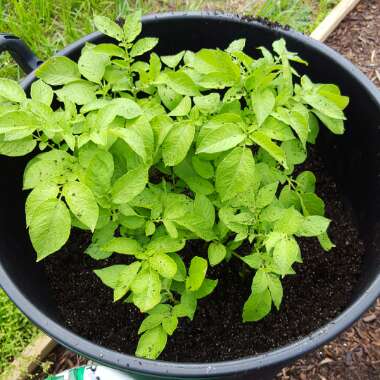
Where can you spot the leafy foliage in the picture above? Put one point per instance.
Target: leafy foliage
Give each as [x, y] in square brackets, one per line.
[223, 131]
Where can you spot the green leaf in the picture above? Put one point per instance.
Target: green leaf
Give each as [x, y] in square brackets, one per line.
[11, 90]
[82, 203]
[289, 222]
[183, 108]
[295, 153]
[129, 185]
[325, 242]
[100, 237]
[263, 104]
[177, 143]
[164, 265]
[150, 228]
[197, 273]
[216, 253]
[92, 64]
[169, 324]
[260, 282]
[125, 279]
[187, 306]
[234, 173]
[254, 261]
[275, 288]
[150, 322]
[50, 227]
[164, 244]
[206, 288]
[207, 104]
[78, 92]
[18, 147]
[299, 121]
[269, 146]
[39, 195]
[99, 173]
[306, 182]
[58, 71]
[181, 273]
[180, 82]
[132, 26]
[285, 253]
[173, 60]
[17, 125]
[312, 204]
[257, 306]
[276, 129]
[143, 45]
[171, 228]
[266, 195]
[220, 137]
[108, 27]
[110, 275]
[151, 343]
[123, 245]
[324, 105]
[334, 125]
[313, 225]
[41, 92]
[237, 45]
[146, 290]
[202, 167]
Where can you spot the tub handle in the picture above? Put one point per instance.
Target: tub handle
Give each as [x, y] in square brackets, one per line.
[20, 51]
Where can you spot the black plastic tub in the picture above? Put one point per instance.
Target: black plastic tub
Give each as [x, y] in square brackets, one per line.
[354, 161]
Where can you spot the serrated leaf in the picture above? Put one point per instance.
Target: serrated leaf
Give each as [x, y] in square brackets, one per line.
[151, 343]
[82, 203]
[216, 253]
[49, 227]
[177, 143]
[234, 173]
[58, 71]
[129, 185]
[197, 273]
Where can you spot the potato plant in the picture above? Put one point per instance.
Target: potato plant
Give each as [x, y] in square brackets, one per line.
[148, 152]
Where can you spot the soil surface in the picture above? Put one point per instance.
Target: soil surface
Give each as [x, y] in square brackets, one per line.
[318, 292]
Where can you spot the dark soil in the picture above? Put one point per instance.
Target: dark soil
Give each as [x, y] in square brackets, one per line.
[321, 289]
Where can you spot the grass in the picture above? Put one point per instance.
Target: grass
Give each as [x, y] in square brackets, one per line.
[48, 25]
[15, 331]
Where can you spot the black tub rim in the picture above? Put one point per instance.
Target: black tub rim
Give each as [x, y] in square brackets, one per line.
[274, 358]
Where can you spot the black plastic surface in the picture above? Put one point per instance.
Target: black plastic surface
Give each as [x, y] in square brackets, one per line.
[21, 53]
[354, 160]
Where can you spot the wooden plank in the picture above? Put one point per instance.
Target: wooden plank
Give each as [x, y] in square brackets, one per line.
[333, 19]
[30, 358]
